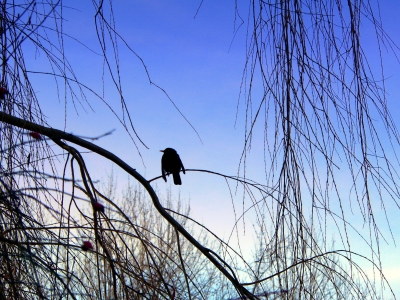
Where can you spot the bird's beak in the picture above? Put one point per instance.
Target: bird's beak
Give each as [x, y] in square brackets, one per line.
[161, 150]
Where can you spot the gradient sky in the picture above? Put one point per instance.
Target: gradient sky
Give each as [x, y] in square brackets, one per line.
[199, 63]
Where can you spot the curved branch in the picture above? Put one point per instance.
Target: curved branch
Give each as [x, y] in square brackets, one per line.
[56, 135]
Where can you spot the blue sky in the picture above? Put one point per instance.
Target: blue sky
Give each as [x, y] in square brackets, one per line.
[198, 62]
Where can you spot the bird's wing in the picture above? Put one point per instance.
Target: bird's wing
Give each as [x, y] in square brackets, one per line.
[163, 172]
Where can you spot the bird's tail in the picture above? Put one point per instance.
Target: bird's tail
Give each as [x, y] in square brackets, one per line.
[177, 178]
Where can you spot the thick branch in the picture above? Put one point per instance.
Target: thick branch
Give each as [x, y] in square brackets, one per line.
[56, 134]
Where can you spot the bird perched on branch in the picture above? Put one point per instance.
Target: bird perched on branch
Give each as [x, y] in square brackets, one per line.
[171, 163]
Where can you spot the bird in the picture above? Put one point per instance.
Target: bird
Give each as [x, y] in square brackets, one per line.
[171, 163]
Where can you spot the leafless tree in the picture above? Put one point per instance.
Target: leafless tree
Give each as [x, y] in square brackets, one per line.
[330, 142]
[61, 237]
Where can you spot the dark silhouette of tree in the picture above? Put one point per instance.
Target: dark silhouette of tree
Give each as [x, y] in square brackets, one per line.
[330, 141]
[61, 237]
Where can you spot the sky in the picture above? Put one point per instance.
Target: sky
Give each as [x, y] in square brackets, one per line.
[198, 61]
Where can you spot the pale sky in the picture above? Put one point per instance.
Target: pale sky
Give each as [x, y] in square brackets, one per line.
[199, 63]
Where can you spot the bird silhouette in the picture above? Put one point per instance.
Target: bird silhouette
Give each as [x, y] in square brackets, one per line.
[171, 163]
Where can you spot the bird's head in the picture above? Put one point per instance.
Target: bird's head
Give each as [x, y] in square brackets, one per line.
[168, 150]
